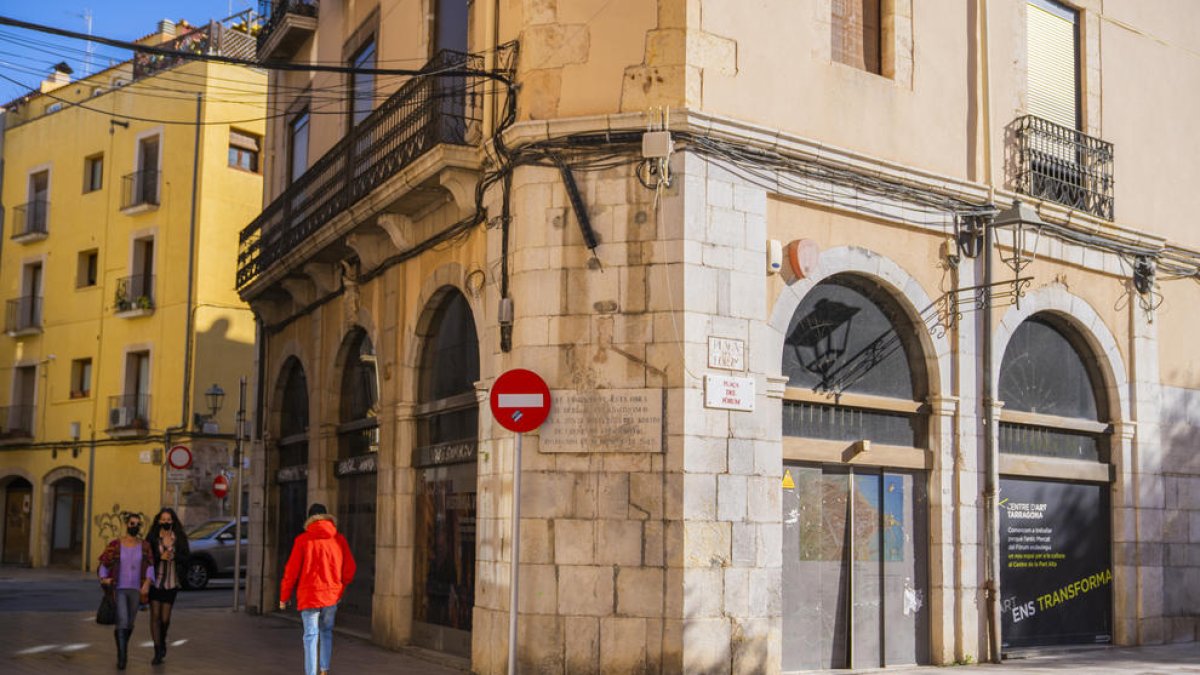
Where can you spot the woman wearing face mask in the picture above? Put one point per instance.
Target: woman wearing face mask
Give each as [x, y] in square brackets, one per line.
[169, 548]
[125, 565]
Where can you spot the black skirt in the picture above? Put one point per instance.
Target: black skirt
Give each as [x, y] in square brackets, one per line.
[160, 595]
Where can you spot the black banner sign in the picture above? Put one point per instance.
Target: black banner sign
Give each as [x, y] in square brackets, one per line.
[1055, 563]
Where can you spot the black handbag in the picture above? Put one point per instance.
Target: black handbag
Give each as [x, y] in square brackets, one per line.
[106, 613]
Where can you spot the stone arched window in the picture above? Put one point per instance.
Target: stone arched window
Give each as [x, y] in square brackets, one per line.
[854, 372]
[291, 465]
[356, 469]
[855, 529]
[447, 422]
[1054, 404]
[1055, 487]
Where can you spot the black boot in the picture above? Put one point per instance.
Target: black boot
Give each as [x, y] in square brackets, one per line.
[122, 636]
[160, 645]
[163, 636]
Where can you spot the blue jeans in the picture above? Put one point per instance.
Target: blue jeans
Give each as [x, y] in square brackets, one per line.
[318, 623]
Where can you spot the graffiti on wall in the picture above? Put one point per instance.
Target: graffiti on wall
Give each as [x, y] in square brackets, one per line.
[112, 524]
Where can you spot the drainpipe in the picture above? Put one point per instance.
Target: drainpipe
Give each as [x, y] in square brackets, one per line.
[991, 462]
[191, 278]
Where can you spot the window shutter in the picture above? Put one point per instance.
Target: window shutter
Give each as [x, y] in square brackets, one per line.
[1053, 54]
[854, 36]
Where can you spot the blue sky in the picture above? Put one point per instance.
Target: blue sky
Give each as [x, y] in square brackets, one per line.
[27, 56]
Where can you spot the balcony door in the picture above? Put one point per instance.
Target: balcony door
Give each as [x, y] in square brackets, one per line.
[450, 35]
[147, 184]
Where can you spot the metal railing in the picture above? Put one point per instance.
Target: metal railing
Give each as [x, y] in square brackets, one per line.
[129, 411]
[135, 292]
[424, 112]
[140, 188]
[16, 421]
[23, 313]
[274, 11]
[1060, 164]
[212, 38]
[31, 218]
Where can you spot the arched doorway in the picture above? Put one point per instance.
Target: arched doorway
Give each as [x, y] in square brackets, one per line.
[447, 418]
[291, 474]
[855, 523]
[18, 519]
[67, 526]
[1055, 525]
[358, 450]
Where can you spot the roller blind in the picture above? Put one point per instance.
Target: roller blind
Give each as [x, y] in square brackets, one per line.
[1053, 62]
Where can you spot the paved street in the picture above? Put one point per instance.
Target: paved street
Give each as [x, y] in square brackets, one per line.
[46, 620]
[47, 623]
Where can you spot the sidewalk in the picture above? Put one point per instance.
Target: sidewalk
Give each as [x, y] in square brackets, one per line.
[1177, 659]
[204, 642]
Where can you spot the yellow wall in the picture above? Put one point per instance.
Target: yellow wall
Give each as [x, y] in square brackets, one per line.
[82, 322]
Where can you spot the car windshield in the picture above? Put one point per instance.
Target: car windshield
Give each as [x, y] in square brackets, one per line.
[207, 529]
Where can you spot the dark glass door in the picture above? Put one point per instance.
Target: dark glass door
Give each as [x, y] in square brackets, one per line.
[18, 504]
[66, 547]
[855, 568]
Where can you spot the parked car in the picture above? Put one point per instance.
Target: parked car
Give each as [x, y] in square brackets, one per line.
[212, 551]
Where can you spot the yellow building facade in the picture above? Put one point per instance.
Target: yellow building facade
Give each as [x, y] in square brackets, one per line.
[123, 193]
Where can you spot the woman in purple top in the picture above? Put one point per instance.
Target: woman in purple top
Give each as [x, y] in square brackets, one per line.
[126, 570]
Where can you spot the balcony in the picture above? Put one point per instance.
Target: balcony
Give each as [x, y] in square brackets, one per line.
[287, 24]
[16, 422]
[129, 415]
[135, 296]
[31, 221]
[422, 114]
[139, 191]
[1059, 164]
[23, 316]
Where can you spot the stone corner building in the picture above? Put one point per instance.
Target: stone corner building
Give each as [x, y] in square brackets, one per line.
[939, 429]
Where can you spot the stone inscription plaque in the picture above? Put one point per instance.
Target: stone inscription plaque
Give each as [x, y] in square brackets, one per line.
[604, 420]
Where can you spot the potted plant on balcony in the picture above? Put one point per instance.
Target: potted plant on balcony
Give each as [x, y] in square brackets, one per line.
[143, 302]
[121, 301]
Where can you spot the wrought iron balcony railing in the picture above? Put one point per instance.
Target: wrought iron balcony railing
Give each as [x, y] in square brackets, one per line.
[129, 412]
[423, 113]
[135, 292]
[1060, 164]
[276, 11]
[16, 421]
[140, 188]
[23, 314]
[31, 218]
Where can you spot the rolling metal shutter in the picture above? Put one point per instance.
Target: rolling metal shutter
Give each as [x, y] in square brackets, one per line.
[1053, 62]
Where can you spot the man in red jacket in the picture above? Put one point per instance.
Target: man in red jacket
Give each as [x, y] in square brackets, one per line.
[322, 563]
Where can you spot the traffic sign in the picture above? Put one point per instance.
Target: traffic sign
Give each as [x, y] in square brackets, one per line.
[520, 400]
[179, 457]
[220, 486]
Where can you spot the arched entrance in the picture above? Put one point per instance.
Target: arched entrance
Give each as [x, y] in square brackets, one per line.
[447, 418]
[18, 519]
[1055, 524]
[67, 526]
[855, 523]
[358, 450]
[291, 474]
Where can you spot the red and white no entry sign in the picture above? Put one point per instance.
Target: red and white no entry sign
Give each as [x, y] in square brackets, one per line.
[220, 486]
[520, 400]
[179, 457]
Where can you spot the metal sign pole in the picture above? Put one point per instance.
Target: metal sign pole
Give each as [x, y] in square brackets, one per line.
[516, 559]
[237, 498]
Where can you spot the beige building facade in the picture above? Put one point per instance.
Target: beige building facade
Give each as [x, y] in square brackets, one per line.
[866, 326]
